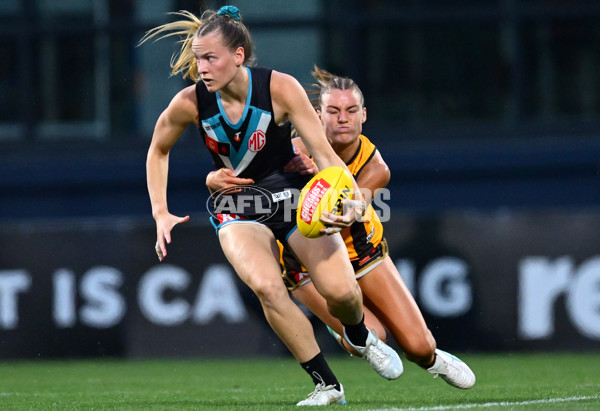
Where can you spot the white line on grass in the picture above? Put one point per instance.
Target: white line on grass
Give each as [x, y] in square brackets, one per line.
[493, 404]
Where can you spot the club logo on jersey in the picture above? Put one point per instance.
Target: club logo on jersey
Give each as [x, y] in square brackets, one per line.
[237, 137]
[257, 141]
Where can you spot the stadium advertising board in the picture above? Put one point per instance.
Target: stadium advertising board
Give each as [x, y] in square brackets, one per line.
[493, 281]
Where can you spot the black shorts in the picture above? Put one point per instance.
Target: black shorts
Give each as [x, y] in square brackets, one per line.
[271, 202]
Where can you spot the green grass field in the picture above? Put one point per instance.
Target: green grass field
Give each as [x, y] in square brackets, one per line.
[556, 381]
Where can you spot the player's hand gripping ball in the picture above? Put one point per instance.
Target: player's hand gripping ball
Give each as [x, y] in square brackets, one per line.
[323, 193]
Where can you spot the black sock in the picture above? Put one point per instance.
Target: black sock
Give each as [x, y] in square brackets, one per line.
[319, 371]
[357, 333]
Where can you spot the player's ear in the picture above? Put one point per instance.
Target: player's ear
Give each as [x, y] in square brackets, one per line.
[240, 55]
[364, 116]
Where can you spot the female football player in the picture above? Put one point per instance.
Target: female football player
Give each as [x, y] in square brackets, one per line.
[243, 114]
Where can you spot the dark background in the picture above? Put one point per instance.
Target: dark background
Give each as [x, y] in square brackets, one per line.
[486, 111]
[474, 104]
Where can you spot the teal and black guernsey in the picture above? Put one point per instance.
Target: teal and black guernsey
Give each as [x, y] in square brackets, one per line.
[255, 147]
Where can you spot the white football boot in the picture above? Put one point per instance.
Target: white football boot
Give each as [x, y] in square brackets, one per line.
[383, 359]
[324, 395]
[452, 370]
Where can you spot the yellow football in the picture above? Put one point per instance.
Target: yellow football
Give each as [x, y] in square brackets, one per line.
[323, 193]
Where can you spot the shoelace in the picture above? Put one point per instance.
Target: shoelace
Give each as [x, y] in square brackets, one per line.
[441, 370]
[375, 353]
[318, 389]
[444, 369]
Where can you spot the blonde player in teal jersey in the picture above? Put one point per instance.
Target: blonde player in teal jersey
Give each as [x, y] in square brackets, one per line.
[231, 101]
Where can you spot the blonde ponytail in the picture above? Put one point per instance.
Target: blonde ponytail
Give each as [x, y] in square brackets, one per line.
[183, 61]
[226, 21]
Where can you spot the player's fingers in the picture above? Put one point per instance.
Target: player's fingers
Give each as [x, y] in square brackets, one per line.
[328, 218]
[292, 166]
[359, 206]
[236, 181]
[231, 177]
[159, 251]
[331, 230]
[310, 170]
[338, 220]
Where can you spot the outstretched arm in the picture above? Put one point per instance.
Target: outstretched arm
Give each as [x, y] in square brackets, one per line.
[290, 101]
[180, 113]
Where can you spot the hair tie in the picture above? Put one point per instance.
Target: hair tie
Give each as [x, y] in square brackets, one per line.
[230, 11]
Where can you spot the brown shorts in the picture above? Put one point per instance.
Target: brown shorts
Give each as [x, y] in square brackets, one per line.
[294, 274]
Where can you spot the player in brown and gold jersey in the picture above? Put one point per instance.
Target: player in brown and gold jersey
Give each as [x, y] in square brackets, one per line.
[388, 304]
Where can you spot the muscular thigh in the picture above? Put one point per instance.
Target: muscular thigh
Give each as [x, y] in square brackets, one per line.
[385, 293]
[326, 259]
[252, 251]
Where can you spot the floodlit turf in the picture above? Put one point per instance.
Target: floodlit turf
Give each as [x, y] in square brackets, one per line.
[555, 381]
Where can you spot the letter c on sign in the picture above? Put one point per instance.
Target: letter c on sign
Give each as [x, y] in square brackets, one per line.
[150, 295]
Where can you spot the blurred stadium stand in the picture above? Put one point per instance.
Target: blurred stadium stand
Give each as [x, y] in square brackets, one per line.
[474, 104]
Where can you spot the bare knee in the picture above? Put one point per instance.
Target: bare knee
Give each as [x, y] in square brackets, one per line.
[348, 297]
[345, 306]
[269, 293]
[420, 349]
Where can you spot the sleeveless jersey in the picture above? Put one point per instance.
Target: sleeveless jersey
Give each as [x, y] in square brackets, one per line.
[362, 237]
[255, 146]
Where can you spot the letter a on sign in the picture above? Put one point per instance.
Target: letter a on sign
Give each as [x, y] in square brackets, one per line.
[218, 294]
